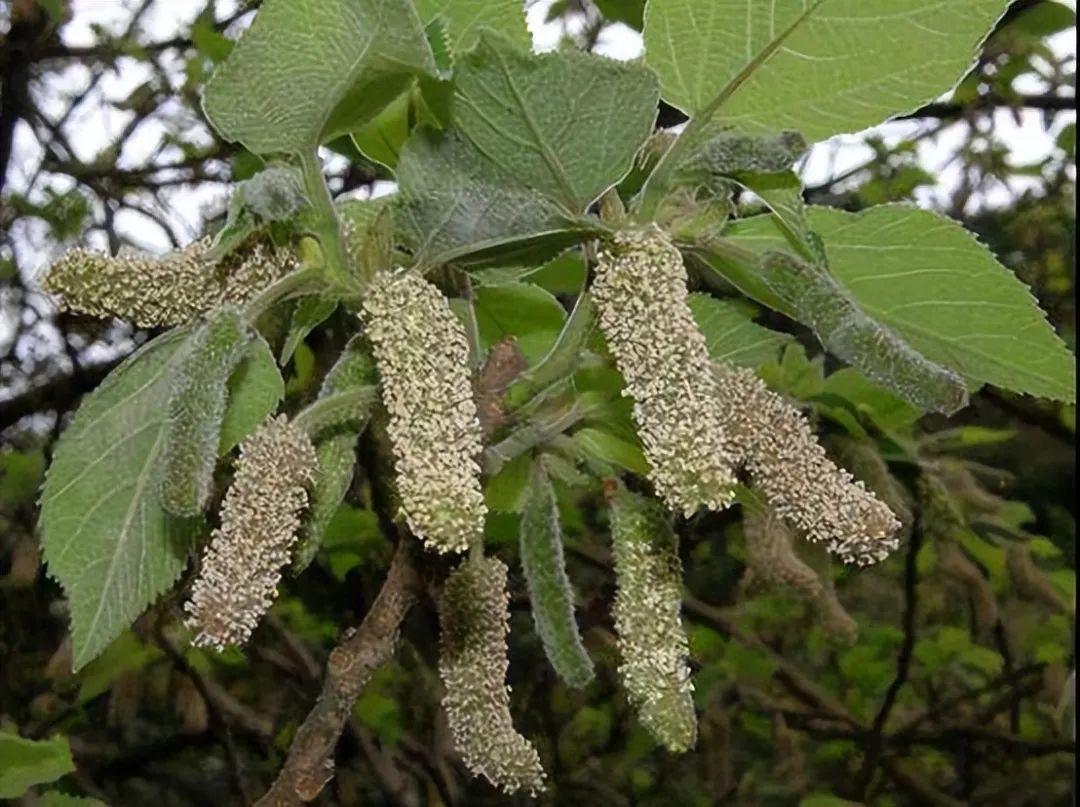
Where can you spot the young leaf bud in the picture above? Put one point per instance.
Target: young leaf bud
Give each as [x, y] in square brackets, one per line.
[790, 467]
[647, 608]
[474, 621]
[422, 354]
[771, 559]
[196, 409]
[259, 521]
[550, 593]
[640, 294]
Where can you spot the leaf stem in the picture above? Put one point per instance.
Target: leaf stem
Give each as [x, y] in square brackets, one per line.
[290, 285]
[325, 225]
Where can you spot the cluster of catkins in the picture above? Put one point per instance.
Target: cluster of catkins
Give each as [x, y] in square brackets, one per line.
[700, 420]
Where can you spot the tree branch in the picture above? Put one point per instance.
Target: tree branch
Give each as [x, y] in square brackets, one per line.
[351, 664]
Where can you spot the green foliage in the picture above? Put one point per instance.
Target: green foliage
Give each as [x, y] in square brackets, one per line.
[360, 53]
[550, 592]
[731, 334]
[928, 279]
[513, 108]
[821, 68]
[255, 389]
[25, 763]
[464, 20]
[106, 537]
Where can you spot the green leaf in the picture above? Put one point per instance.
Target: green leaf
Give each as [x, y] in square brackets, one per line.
[25, 763]
[550, 592]
[124, 655]
[605, 448]
[105, 535]
[567, 124]
[731, 333]
[454, 203]
[309, 313]
[307, 70]
[255, 389]
[382, 137]
[887, 410]
[931, 280]
[507, 490]
[527, 312]
[819, 67]
[464, 19]
[20, 476]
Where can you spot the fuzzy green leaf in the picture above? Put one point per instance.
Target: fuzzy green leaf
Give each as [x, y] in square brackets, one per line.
[455, 203]
[567, 124]
[732, 335]
[819, 67]
[255, 389]
[105, 536]
[307, 70]
[25, 763]
[932, 282]
[522, 310]
[464, 19]
[550, 592]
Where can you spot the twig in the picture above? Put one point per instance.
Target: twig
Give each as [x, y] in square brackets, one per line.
[351, 664]
[903, 661]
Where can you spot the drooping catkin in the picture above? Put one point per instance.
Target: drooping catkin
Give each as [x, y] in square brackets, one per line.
[791, 468]
[550, 592]
[196, 410]
[771, 559]
[953, 561]
[422, 354]
[474, 623]
[170, 290]
[648, 604]
[640, 293]
[259, 521]
[1030, 582]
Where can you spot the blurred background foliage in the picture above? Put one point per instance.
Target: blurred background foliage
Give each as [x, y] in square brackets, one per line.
[957, 689]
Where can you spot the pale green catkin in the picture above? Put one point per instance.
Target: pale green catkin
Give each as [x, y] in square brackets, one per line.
[776, 445]
[197, 404]
[550, 592]
[422, 354]
[474, 623]
[648, 604]
[641, 299]
[170, 290]
[846, 331]
[771, 559]
[260, 518]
